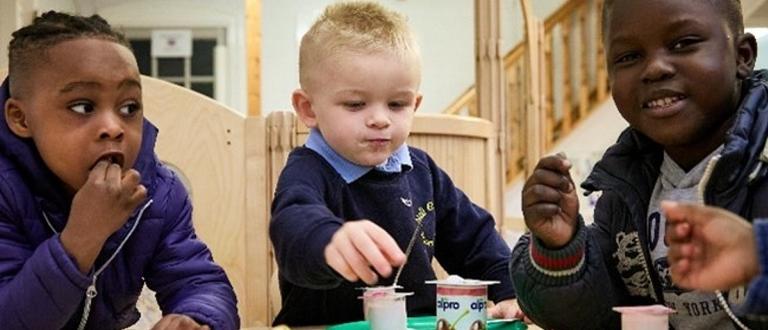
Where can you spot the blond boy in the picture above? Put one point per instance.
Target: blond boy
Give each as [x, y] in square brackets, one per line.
[349, 200]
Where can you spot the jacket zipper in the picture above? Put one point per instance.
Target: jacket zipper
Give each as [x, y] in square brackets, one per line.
[91, 291]
[702, 190]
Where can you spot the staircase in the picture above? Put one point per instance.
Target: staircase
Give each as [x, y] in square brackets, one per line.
[571, 78]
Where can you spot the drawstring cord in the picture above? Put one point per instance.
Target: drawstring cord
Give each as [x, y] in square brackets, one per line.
[702, 187]
[91, 292]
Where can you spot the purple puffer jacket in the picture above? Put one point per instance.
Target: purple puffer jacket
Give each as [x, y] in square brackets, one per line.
[40, 284]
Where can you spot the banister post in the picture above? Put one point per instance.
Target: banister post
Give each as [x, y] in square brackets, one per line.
[534, 35]
[489, 76]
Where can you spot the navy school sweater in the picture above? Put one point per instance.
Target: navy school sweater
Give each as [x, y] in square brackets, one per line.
[312, 201]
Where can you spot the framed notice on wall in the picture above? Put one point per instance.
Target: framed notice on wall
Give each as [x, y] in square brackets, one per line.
[171, 43]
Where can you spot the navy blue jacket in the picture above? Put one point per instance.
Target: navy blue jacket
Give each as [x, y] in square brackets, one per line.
[757, 296]
[617, 268]
[312, 201]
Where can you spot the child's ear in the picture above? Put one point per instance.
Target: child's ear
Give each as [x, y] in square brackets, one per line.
[746, 52]
[303, 107]
[16, 118]
[418, 102]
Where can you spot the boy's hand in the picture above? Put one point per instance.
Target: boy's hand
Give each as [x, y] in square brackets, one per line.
[359, 245]
[101, 206]
[178, 322]
[507, 309]
[550, 204]
[709, 248]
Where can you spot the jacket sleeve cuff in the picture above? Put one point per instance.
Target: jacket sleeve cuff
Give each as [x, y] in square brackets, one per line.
[564, 262]
[316, 244]
[67, 264]
[212, 317]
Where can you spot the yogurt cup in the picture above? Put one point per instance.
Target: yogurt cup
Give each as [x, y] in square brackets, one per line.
[650, 317]
[369, 293]
[461, 304]
[384, 308]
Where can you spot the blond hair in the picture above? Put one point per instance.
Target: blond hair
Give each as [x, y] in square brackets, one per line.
[354, 27]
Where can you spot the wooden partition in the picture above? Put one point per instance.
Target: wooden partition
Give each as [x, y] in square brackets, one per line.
[208, 145]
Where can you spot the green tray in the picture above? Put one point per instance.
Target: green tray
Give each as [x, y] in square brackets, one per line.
[428, 323]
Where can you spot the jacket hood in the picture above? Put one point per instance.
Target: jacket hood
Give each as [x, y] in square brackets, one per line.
[743, 148]
[49, 189]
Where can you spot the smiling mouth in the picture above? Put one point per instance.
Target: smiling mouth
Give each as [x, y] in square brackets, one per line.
[663, 102]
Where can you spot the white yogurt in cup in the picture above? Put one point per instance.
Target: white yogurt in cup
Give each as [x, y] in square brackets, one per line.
[384, 309]
[461, 303]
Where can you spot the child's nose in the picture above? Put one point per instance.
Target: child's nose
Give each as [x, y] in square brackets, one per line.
[658, 68]
[379, 118]
[110, 126]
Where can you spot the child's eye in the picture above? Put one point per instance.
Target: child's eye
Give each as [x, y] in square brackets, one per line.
[130, 109]
[82, 108]
[354, 105]
[625, 58]
[397, 105]
[683, 43]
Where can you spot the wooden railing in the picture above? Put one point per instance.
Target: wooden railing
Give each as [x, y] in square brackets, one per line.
[573, 80]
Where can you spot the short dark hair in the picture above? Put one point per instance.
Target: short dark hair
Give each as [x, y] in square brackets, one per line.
[731, 11]
[29, 44]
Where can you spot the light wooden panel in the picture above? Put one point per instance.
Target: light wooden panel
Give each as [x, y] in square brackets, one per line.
[204, 141]
[257, 244]
[281, 138]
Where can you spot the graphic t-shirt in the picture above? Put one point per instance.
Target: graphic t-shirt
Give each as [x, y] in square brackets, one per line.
[695, 309]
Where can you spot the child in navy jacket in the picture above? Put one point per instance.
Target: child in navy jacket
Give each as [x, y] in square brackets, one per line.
[348, 202]
[681, 74]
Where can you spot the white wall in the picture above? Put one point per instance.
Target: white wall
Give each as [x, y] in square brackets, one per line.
[761, 34]
[445, 32]
[226, 14]
[7, 23]
[13, 15]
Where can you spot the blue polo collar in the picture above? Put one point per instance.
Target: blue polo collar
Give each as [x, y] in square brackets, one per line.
[349, 171]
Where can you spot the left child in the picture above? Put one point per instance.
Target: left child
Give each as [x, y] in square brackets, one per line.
[87, 211]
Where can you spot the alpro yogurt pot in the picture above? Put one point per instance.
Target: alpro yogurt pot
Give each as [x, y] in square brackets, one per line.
[461, 303]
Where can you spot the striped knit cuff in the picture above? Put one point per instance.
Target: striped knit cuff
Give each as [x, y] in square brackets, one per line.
[562, 262]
